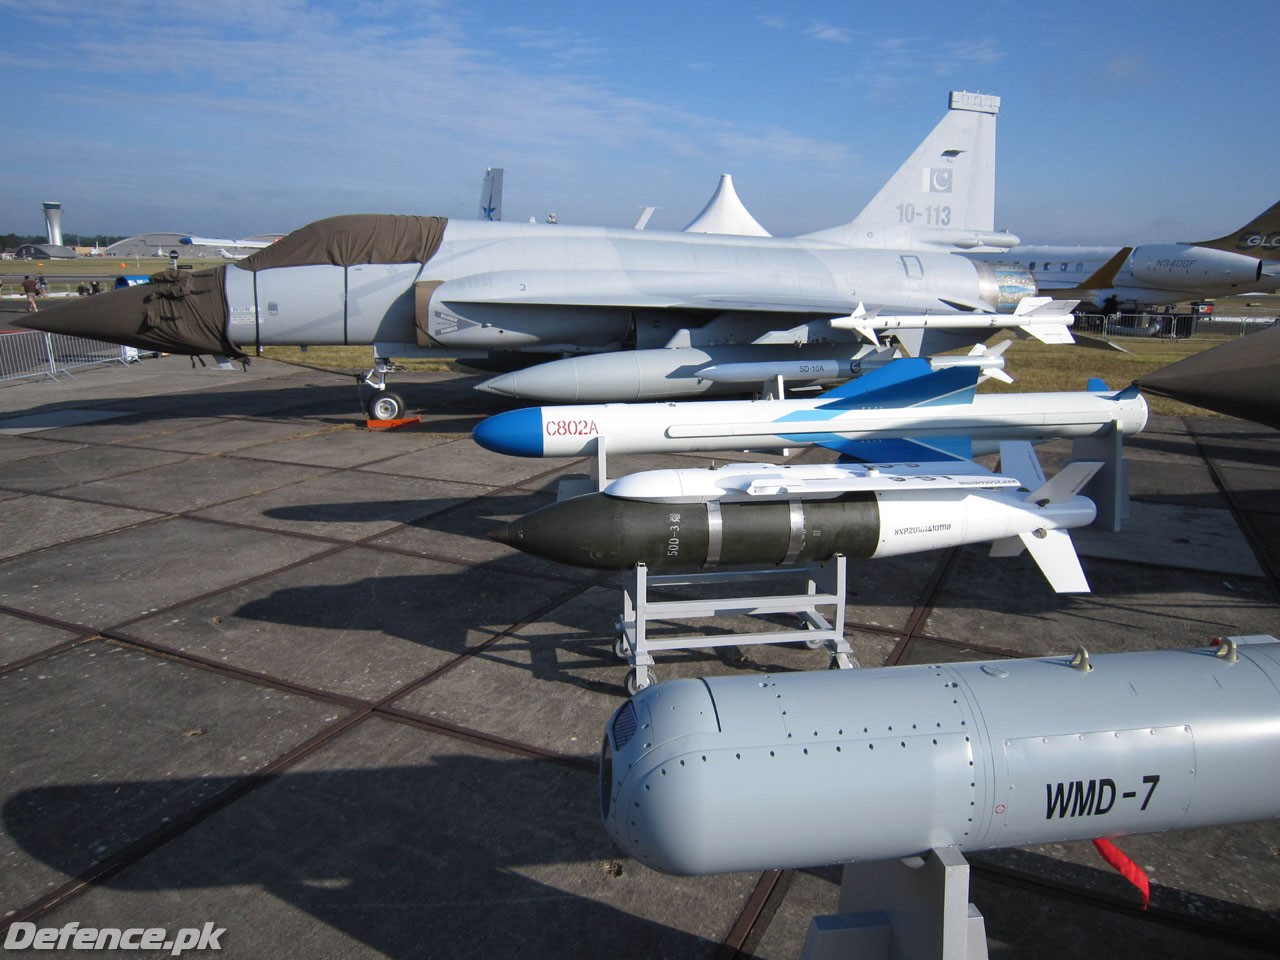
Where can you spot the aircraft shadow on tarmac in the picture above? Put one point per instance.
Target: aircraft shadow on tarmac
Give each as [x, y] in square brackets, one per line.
[449, 406]
[431, 860]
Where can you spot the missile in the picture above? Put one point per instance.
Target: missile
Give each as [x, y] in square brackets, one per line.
[683, 371]
[724, 773]
[1043, 318]
[701, 371]
[989, 362]
[756, 482]
[674, 519]
[904, 411]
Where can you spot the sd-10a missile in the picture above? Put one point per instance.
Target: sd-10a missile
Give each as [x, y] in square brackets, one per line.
[678, 519]
[903, 411]
[683, 372]
[724, 773]
[686, 371]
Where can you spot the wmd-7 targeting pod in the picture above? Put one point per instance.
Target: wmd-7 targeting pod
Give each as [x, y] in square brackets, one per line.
[766, 514]
[801, 769]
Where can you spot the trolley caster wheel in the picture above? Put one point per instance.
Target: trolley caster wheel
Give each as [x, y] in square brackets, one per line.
[620, 648]
[814, 643]
[633, 684]
[385, 405]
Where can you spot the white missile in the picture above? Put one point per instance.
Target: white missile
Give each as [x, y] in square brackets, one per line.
[724, 774]
[884, 416]
[757, 482]
[761, 514]
[1043, 318]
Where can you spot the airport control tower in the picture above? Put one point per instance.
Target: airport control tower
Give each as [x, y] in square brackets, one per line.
[53, 221]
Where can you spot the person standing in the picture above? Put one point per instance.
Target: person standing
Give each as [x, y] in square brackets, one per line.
[32, 289]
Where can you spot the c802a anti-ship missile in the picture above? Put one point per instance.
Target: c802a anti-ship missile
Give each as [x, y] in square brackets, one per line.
[905, 410]
[707, 776]
[682, 519]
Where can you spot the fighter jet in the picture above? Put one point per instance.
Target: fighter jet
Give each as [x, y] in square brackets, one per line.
[514, 293]
[1152, 274]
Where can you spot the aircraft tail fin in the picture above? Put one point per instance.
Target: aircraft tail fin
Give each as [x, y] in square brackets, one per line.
[491, 194]
[943, 197]
[1260, 237]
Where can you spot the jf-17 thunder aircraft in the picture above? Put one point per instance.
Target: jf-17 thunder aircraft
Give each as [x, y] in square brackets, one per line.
[502, 295]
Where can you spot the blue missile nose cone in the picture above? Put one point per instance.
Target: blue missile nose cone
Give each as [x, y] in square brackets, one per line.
[517, 433]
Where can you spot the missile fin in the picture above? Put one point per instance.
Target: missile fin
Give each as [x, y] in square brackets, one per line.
[868, 334]
[860, 322]
[907, 382]
[1070, 480]
[982, 350]
[681, 338]
[1018, 459]
[1008, 547]
[1049, 333]
[1055, 555]
[1043, 307]
[995, 374]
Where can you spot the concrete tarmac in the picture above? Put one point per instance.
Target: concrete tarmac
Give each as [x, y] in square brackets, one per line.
[261, 667]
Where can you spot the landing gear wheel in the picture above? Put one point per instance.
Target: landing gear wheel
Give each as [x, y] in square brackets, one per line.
[633, 684]
[385, 405]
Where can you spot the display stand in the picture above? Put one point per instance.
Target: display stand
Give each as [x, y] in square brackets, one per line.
[914, 909]
[824, 586]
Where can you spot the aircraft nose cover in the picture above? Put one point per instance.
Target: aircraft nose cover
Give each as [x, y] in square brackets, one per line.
[179, 311]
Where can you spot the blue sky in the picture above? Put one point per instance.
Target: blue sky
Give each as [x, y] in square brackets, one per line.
[1120, 122]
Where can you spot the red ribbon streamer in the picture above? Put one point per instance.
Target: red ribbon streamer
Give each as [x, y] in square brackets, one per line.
[1126, 868]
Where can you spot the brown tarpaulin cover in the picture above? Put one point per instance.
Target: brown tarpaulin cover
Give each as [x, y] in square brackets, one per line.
[1240, 378]
[179, 311]
[353, 239]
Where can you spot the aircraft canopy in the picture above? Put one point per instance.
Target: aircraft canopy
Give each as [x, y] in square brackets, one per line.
[353, 239]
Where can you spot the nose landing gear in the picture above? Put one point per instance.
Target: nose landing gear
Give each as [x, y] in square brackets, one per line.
[379, 402]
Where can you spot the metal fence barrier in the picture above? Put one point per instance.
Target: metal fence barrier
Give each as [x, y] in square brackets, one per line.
[36, 354]
[1168, 325]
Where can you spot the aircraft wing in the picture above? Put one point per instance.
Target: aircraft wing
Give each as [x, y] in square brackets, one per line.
[637, 299]
[1104, 278]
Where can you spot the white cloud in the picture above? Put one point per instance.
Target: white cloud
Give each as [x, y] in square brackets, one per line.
[826, 31]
